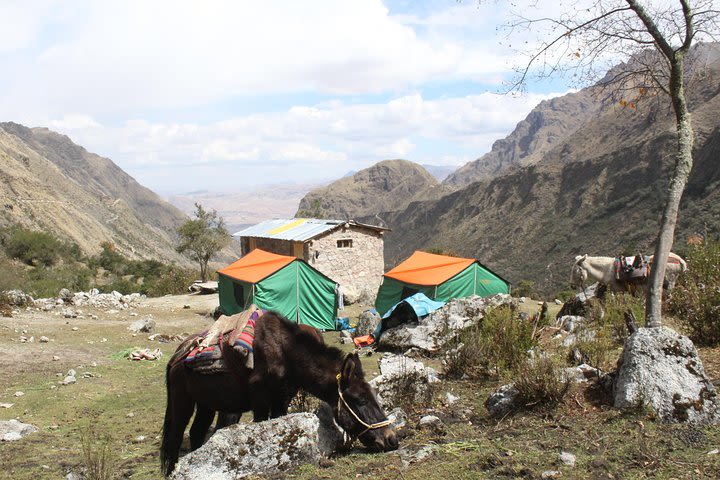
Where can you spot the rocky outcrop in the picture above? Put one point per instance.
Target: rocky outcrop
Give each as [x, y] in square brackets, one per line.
[661, 369]
[440, 327]
[263, 448]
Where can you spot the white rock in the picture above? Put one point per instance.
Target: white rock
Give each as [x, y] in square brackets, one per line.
[661, 369]
[567, 458]
[450, 398]
[19, 394]
[44, 339]
[12, 430]
[263, 448]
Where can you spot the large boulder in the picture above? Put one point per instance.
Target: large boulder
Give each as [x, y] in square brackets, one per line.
[263, 448]
[403, 380]
[441, 326]
[146, 325]
[661, 369]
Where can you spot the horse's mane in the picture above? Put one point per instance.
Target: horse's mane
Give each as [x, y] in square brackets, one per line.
[309, 341]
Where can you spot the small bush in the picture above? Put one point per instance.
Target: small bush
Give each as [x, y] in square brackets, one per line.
[695, 300]
[541, 382]
[99, 456]
[407, 395]
[174, 281]
[47, 282]
[500, 342]
[38, 248]
[524, 288]
[124, 286]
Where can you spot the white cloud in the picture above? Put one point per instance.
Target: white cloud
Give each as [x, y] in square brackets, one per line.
[115, 58]
[305, 142]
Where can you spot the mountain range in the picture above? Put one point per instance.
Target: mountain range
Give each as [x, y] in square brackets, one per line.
[579, 174]
[52, 184]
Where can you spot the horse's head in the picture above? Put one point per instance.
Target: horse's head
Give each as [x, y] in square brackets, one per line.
[358, 411]
[578, 274]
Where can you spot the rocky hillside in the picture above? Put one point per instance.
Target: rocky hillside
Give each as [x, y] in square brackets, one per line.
[546, 125]
[387, 185]
[597, 189]
[51, 183]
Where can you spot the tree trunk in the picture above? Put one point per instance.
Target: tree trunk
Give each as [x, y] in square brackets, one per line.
[683, 165]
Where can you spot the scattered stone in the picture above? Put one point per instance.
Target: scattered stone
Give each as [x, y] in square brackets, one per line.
[503, 401]
[408, 455]
[71, 372]
[443, 325]
[450, 398]
[65, 295]
[367, 323]
[6, 405]
[74, 329]
[582, 373]
[522, 300]
[263, 448]
[130, 415]
[569, 323]
[133, 314]
[714, 452]
[44, 339]
[74, 476]
[11, 430]
[23, 339]
[186, 307]
[70, 379]
[661, 368]
[19, 394]
[582, 336]
[139, 439]
[551, 474]
[69, 313]
[398, 417]
[432, 423]
[558, 302]
[17, 298]
[567, 458]
[55, 358]
[87, 375]
[146, 324]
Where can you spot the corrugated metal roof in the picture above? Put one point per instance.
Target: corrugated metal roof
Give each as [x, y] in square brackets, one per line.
[295, 229]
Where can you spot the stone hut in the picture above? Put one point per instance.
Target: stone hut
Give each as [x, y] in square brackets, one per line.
[348, 252]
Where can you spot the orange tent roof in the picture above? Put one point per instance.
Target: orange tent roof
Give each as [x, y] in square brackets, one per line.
[256, 266]
[429, 269]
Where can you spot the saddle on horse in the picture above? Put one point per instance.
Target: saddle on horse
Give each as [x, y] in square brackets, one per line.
[632, 269]
[235, 333]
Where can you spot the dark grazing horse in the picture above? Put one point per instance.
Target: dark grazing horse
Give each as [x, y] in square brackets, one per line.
[286, 359]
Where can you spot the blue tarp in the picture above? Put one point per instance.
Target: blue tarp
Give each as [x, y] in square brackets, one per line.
[420, 303]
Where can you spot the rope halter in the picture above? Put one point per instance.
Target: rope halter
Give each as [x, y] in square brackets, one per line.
[368, 426]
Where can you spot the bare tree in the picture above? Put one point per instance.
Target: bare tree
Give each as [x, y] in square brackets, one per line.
[656, 39]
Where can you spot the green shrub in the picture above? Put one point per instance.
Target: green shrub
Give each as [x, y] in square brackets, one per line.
[47, 282]
[121, 285]
[524, 288]
[173, 281]
[38, 248]
[695, 300]
[541, 382]
[500, 342]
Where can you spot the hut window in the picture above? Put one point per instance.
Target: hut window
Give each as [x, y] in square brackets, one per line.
[347, 243]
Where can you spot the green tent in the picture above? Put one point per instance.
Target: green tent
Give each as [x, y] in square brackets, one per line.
[439, 277]
[280, 283]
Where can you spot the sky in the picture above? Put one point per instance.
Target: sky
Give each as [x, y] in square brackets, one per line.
[226, 95]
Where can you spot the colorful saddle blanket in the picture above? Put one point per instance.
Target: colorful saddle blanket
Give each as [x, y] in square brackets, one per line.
[236, 333]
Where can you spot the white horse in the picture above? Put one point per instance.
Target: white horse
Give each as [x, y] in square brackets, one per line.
[588, 269]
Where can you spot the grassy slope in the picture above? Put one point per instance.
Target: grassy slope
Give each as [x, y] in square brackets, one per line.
[605, 441]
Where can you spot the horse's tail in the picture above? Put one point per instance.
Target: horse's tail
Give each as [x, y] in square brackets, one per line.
[165, 454]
